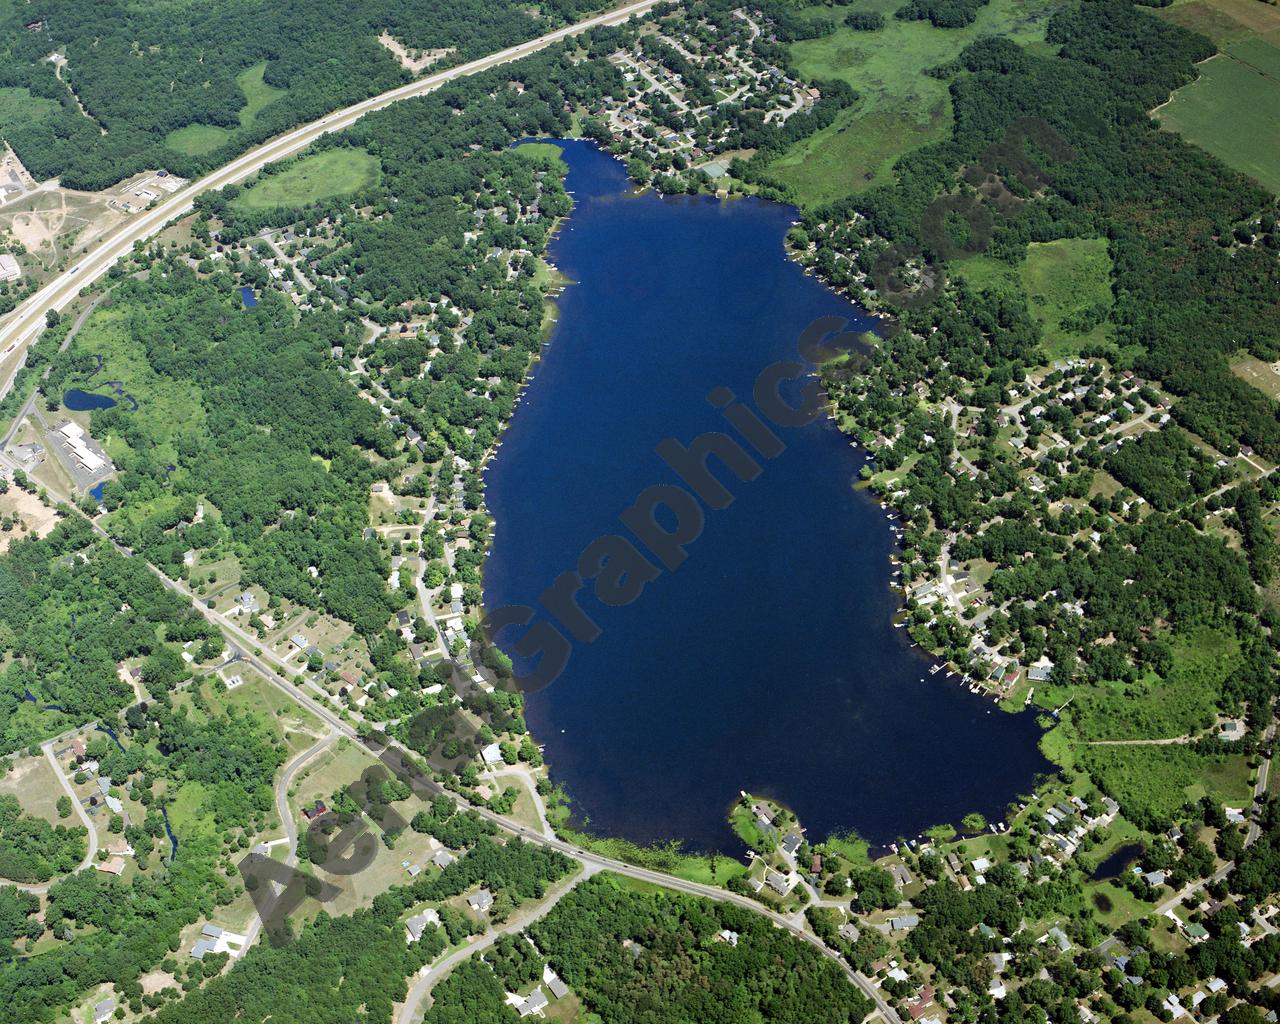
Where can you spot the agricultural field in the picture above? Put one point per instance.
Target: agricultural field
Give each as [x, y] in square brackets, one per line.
[900, 107]
[1233, 109]
[335, 172]
[33, 781]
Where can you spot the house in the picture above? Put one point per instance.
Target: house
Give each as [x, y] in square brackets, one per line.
[112, 866]
[533, 1003]
[849, 932]
[791, 844]
[202, 947]
[780, 883]
[104, 1010]
[1155, 878]
[1059, 937]
[492, 754]
[764, 814]
[901, 876]
[299, 641]
[442, 859]
[480, 902]
[211, 931]
[904, 922]
[725, 935]
[553, 981]
[1173, 1006]
[417, 924]
[314, 811]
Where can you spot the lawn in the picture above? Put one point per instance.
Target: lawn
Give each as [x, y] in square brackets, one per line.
[334, 172]
[1233, 109]
[900, 108]
[544, 154]
[1065, 279]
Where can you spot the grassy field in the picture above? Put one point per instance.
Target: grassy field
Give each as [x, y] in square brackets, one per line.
[544, 154]
[1155, 708]
[17, 105]
[1064, 278]
[1160, 780]
[900, 108]
[197, 139]
[165, 407]
[1226, 21]
[1233, 109]
[257, 93]
[33, 782]
[334, 172]
[1261, 375]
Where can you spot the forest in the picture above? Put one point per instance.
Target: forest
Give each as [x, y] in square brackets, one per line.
[72, 609]
[32, 850]
[143, 72]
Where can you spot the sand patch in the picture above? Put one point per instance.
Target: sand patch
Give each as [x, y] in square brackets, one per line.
[412, 60]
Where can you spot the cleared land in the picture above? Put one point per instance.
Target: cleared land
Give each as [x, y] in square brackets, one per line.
[1233, 109]
[334, 172]
[1065, 279]
[900, 107]
[198, 139]
[1262, 375]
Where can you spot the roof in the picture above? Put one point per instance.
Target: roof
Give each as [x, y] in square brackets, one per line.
[202, 947]
[481, 901]
[535, 1001]
[211, 930]
[553, 981]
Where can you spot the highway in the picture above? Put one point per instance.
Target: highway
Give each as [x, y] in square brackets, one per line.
[25, 322]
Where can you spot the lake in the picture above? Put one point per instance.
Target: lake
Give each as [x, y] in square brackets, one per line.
[768, 660]
[85, 401]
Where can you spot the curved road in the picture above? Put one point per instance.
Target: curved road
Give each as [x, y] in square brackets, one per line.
[89, 857]
[286, 818]
[24, 323]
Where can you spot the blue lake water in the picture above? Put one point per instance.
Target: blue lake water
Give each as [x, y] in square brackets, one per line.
[767, 661]
[97, 489]
[246, 295]
[85, 401]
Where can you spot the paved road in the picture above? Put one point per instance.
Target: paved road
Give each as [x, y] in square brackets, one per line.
[593, 861]
[89, 857]
[427, 979]
[26, 321]
[286, 818]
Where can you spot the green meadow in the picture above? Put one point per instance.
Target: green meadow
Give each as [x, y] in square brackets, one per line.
[900, 107]
[335, 172]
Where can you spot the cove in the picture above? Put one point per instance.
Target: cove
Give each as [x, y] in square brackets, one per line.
[768, 661]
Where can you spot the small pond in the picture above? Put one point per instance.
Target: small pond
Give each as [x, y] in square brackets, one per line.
[1115, 864]
[250, 300]
[86, 401]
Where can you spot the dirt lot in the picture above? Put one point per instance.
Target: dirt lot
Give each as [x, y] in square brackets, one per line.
[29, 514]
[411, 60]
